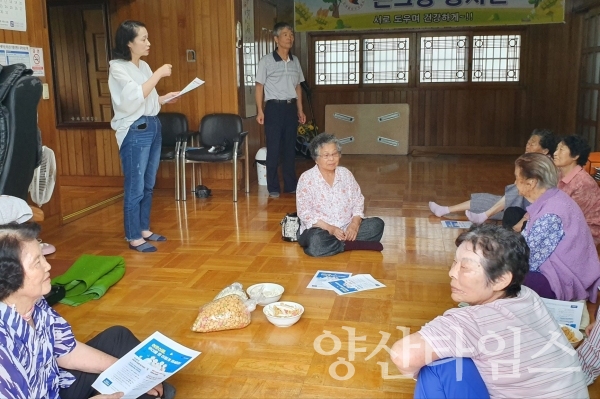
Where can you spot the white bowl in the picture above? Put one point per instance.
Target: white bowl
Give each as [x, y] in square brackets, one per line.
[283, 320]
[578, 335]
[270, 293]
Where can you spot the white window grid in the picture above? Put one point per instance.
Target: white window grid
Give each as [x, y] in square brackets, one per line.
[386, 60]
[337, 62]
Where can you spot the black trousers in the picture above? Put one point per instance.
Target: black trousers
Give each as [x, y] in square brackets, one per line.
[318, 242]
[116, 341]
[281, 128]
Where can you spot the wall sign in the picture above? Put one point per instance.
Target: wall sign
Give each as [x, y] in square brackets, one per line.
[12, 15]
[339, 15]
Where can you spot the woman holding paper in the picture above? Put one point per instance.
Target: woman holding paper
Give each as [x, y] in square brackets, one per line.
[39, 356]
[136, 103]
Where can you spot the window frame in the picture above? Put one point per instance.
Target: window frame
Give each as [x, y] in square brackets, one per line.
[414, 36]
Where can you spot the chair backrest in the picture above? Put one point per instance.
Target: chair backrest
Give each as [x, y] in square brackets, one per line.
[220, 129]
[173, 124]
[19, 138]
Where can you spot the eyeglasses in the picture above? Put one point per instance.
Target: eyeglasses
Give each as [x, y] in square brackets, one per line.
[330, 156]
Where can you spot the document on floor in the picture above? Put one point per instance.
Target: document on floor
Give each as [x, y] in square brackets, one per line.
[565, 312]
[194, 84]
[322, 277]
[144, 367]
[356, 283]
[455, 224]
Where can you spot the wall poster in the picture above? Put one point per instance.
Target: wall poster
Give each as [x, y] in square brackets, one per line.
[12, 15]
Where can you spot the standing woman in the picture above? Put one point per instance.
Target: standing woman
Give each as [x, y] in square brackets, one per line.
[136, 104]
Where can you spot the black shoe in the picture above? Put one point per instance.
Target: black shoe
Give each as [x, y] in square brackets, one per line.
[168, 390]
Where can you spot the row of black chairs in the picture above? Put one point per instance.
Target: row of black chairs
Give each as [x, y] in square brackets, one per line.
[221, 139]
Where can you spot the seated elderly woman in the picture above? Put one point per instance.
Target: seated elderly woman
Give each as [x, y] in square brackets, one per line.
[39, 356]
[498, 346]
[563, 263]
[483, 206]
[330, 205]
[571, 154]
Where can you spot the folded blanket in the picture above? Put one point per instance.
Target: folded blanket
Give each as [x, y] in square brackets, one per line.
[90, 277]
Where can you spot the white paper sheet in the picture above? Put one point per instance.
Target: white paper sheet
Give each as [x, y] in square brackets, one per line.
[564, 312]
[322, 277]
[356, 283]
[194, 84]
[144, 367]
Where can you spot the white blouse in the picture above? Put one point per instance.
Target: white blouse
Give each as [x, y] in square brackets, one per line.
[125, 82]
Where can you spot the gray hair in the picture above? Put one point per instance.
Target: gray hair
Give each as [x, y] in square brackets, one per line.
[320, 140]
[279, 26]
[538, 167]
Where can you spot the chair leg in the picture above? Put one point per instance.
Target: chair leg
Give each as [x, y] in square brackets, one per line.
[235, 185]
[177, 157]
[183, 181]
[246, 167]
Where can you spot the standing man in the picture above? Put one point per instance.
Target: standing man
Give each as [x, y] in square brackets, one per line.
[278, 79]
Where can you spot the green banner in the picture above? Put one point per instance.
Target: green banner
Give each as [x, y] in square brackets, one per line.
[338, 15]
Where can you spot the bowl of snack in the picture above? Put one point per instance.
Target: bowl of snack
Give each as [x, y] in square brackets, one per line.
[265, 293]
[283, 314]
[573, 335]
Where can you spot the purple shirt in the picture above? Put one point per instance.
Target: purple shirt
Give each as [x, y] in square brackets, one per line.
[28, 367]
[573, 268]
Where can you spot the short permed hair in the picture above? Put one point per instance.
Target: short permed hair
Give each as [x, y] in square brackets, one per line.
[503, 251]
[578, 146]
[547, 139]
[126, 33]
[12, 237]
[319, 141]
[538, 167]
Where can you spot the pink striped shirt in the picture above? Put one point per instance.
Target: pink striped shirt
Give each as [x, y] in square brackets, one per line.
[589, 353]
[516, 345]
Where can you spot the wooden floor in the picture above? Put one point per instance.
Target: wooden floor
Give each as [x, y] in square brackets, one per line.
[214, 242]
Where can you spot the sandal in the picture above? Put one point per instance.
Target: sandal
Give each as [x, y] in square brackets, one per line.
[155, 237]
[144, 247]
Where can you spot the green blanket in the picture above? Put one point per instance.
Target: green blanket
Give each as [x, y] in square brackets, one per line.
[90, 277]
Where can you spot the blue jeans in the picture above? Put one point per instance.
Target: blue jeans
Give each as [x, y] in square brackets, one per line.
[451, 378]
[140, 156]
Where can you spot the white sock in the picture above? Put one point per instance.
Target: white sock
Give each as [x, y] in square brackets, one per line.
[438, 210]
[476, 218]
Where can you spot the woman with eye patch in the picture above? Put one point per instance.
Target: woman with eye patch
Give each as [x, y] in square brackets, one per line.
[330, 205]
[498, 346]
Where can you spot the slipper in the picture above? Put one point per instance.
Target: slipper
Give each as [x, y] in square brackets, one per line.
[48, 249]
[155, 237]
[145, 247]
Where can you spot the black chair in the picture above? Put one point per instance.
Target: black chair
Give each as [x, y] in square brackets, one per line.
[223, 140]
[174, 131]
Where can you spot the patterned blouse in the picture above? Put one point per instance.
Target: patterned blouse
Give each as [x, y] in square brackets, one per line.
[585, 191]
[542, 239]
[28, 367]
[336, 205]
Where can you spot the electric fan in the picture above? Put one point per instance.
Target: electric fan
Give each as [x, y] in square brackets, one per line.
[44, 177]
[42, 186]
